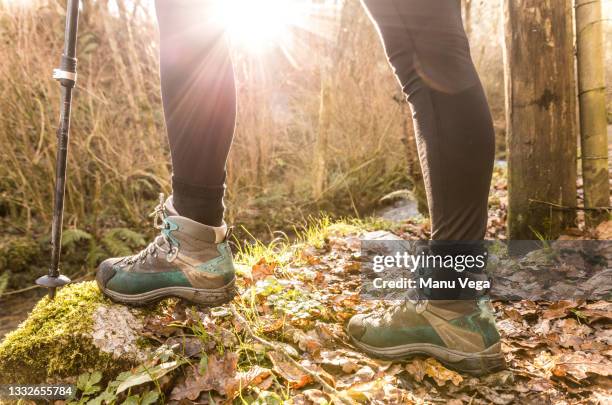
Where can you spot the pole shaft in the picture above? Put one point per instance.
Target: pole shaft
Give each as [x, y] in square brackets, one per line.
[72, 19]
[68, 64]
[63, 135]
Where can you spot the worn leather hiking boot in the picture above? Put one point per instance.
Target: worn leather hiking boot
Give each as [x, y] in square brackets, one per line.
[187, 260]
[460, 334]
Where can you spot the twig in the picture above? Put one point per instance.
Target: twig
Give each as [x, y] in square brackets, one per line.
[566, 208]
[284, 352]
[33, 287]
[6, 294]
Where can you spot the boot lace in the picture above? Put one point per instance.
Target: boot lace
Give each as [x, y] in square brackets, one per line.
[162, 243]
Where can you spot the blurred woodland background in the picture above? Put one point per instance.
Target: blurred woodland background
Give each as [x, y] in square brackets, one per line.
[325, 129]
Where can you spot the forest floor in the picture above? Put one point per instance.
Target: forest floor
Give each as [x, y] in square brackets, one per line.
[283, 338]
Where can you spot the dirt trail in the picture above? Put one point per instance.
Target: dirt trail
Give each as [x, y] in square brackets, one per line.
[15, 308]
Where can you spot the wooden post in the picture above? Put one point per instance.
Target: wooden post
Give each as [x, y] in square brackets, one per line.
[540, 115]
[593, 120]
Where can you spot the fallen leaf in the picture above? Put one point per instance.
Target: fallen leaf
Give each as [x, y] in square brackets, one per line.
[317, 397]
[338, 360]
[187, 346]
[559, 309]
[600, 310]
[431, 367]
[580, 364]
[362, 375]
[219, 375]
[310, 255]
[272, 324]
[256, 376]
[382, 391]
[147, 375]
[262, 269]
[352, 267]
[306, 341]
[293, 375]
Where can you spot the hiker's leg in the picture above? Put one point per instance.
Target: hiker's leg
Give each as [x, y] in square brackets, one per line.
[199, 98]
[428, 49]
[429, 52]
[191, 257]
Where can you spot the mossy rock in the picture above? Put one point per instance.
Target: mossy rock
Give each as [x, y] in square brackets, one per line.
[79, 331]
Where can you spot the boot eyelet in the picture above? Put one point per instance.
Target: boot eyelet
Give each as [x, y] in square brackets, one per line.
[172, 254]
[421, 306]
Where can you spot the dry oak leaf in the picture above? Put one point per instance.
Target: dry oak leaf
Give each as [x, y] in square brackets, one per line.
[431, 367]
[272, 324]
[559, 309]
[339, 360]
[310, 255]
[579, 364]
[262, 269]
[220, 375]
[380, 391]
[255, 377]
[293, 375]
[217, 376]
[306, 341]
[600, 310]
[364, 374]
[316, 397]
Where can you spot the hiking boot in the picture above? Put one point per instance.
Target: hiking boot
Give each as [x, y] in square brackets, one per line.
[460, 334]
[188, 260]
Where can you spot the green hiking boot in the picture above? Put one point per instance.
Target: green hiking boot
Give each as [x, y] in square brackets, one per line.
[460, 334]
[187, 260]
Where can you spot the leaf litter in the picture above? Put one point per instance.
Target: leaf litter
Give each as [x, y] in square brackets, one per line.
[557, 352]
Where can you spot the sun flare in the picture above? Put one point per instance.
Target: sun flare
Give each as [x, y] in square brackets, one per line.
[260, 25]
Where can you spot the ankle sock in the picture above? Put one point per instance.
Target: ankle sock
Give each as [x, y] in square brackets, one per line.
[203, 204]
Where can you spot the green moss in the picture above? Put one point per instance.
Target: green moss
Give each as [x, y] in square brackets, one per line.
[53, 342]
[19, 260]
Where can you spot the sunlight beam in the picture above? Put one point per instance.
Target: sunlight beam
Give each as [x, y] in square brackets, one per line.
[260, 25]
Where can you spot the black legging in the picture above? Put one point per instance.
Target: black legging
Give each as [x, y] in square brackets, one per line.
[429, 51]
[199, 97]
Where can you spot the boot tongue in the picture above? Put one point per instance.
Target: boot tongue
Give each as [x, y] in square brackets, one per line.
[169, 207]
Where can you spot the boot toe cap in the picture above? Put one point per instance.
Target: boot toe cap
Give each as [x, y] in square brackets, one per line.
[356, 326]
[105, 272]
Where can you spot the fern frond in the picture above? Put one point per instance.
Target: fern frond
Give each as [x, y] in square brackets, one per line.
[72, 236]
[122, 241]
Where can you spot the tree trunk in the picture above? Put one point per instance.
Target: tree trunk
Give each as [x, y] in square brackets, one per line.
[592, 97]
[540, 116]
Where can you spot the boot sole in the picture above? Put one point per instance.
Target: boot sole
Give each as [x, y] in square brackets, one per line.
[487, 361]
[202, 296]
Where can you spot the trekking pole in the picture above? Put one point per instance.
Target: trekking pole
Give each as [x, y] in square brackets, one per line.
[66, 75]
